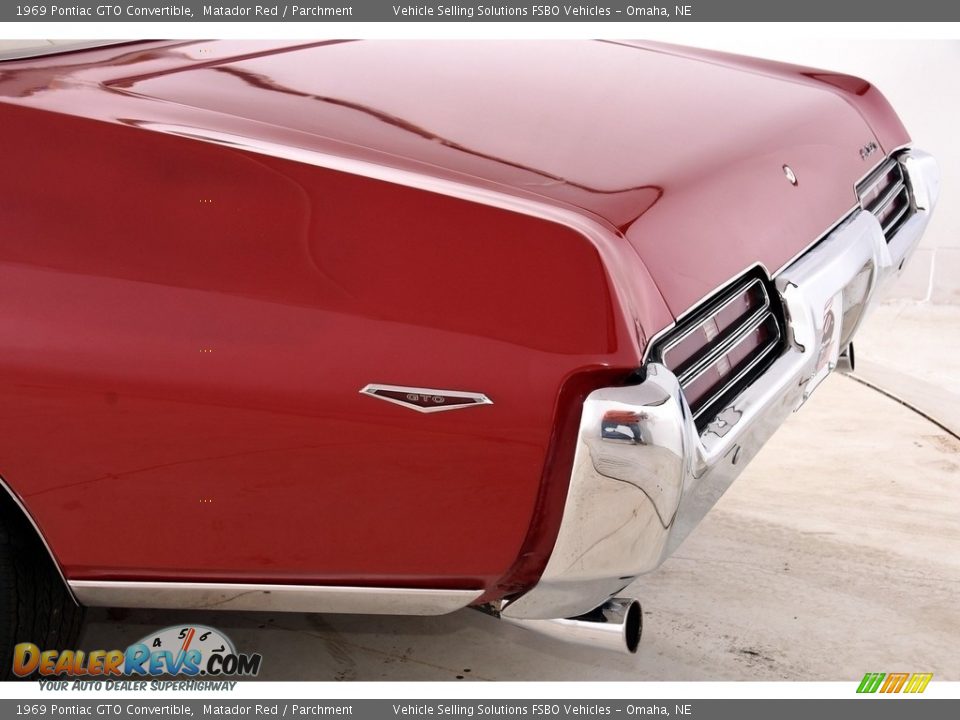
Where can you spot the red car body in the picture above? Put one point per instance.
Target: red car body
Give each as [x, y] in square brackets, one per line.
[210, 247]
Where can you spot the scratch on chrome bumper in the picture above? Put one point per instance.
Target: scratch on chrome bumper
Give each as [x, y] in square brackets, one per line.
[630, 504]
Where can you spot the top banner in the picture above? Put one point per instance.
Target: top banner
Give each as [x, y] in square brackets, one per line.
[396, 11]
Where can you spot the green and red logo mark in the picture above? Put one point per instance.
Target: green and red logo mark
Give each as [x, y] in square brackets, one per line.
[894, 682]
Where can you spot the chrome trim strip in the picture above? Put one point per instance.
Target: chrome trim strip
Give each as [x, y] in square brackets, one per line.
[879, 174]
[757, 319]
[685, 315]
[817, 241]
[764, 354]
[36, 528]
[719, 347]
[879, 205]
[876, 167]
[896, 218]
[898, 186]
[735, 294]
[906, 146]
[655, 338]
[274, 598]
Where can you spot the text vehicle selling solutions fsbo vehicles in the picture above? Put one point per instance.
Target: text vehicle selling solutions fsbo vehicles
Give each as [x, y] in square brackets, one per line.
[405, 327]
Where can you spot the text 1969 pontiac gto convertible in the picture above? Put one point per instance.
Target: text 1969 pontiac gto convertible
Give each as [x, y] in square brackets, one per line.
[397, 327]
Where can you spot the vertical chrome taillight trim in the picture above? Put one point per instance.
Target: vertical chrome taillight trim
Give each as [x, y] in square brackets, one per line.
[730, 338]
[896, 190]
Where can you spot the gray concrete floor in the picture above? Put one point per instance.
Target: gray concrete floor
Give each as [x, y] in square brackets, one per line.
[836, 553]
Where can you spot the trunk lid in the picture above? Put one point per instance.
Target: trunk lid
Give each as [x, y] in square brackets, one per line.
[682, 154]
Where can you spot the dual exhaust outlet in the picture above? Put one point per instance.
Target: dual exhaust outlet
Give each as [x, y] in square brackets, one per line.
[616, 626]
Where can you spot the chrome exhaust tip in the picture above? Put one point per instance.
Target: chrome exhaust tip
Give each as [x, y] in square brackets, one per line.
[617, 625]
[846, 363]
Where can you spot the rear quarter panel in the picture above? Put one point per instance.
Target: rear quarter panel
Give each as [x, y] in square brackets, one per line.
[185, 331]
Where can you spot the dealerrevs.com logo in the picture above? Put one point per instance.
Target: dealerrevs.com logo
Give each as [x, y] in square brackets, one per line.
[179, 650]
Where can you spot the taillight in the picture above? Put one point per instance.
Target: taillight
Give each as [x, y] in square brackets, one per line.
[720, 348]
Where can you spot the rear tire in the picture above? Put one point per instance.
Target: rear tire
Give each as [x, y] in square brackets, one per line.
[35, 605]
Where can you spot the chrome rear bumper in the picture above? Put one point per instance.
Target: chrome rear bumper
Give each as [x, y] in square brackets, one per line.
[630, 503]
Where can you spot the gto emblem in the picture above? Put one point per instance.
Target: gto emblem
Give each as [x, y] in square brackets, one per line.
[419, 399]
[790, 174]
[867, 150]
[426, 400]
